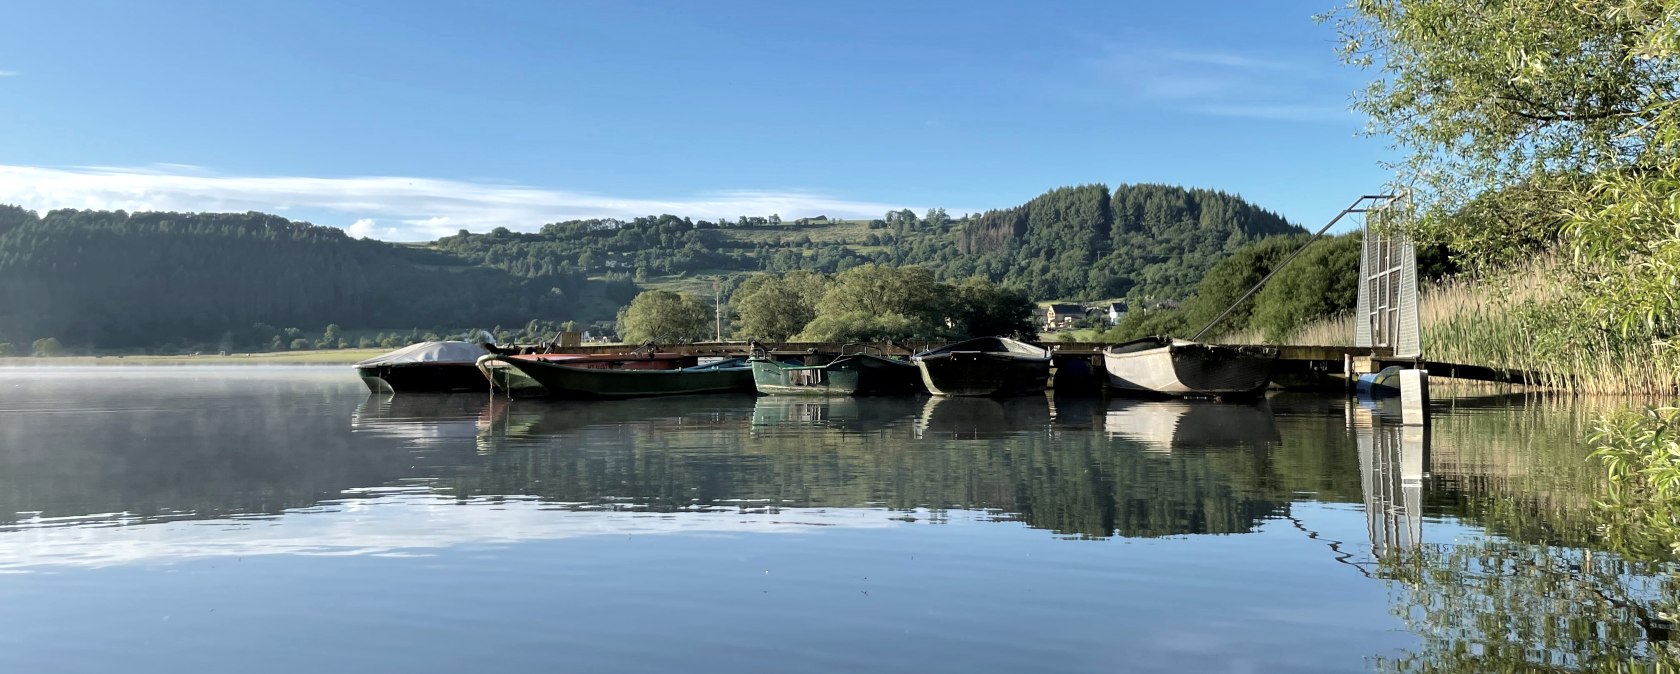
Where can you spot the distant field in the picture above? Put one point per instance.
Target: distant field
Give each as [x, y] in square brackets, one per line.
[326, 357]
[821, 232]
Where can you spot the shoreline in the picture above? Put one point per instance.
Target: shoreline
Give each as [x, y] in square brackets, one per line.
[322, 357]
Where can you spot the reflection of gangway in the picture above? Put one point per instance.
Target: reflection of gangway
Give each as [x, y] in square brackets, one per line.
[1393, 461]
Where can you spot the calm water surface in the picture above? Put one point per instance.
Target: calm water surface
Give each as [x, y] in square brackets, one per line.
[281, 520]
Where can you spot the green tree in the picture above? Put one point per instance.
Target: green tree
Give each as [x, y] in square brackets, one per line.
[47, 346]
[6, 349]
[663, 316]
[1322, 281]
[982, 309]
[1515, 112]
[776, 307]
[300, 344]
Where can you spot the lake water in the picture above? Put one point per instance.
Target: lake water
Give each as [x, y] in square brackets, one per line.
[259, 519]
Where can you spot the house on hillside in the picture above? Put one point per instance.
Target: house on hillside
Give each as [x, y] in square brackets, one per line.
[1115, 311]
[1061, 316]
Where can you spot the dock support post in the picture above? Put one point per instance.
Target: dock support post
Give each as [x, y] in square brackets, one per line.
[1414, 397]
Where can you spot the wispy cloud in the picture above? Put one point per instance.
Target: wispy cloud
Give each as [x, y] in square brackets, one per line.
[1221, 83]
[386, 207]
[9, 73]
[1230, 60]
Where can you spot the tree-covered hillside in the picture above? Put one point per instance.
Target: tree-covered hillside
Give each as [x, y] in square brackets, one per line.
[110, 279]
[1081, 242]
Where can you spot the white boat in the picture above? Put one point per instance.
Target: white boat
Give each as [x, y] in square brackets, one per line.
[1166, 366]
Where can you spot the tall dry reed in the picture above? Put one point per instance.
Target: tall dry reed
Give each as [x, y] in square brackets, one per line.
[1525, 320]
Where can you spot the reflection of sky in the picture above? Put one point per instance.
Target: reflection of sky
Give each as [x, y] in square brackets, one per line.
[389, 522]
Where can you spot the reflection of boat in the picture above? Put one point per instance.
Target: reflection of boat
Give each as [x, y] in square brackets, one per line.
[434, 367]
[1163, 365]
[842, 412]
[526, 419]
[1166, 425]
[515, 383]
[567, 381]
[975, 417]
[434, 417]
[987, 366]
[855, 374]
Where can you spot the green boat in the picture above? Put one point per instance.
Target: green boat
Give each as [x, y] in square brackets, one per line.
[855, 374]
[568, 381]
[987, 366]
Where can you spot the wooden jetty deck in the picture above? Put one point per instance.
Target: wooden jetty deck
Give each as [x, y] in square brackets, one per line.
[1297, 364]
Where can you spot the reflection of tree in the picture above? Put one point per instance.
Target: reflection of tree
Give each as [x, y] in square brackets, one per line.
[1540, 592]
[1499, 606]
[819, 453]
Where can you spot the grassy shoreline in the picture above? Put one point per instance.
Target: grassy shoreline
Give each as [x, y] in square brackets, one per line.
[322, 357]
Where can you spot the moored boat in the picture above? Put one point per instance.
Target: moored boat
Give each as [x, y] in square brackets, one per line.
[854, 374]
[427, 367]
[514, 383]
[560, 379]
[986, 366]
[1175, 367]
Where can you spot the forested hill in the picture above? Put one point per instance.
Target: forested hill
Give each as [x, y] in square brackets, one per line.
[111, 280]
[1083, 242]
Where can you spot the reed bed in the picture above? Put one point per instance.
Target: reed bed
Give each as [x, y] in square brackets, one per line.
[1525, 320]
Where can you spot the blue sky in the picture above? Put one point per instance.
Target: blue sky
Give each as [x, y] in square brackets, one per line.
[404, 120]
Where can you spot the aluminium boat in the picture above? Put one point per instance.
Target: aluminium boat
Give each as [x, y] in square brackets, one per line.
[1175, 367]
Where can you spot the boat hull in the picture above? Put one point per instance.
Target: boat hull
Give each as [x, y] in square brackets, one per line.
[980, 373]
[565, 381]
[849, 375]
[1191, 369]
[514, 383]
[422, 378]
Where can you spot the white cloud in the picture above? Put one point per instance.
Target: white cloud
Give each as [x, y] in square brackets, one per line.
[368, 227]
[9, 73]
[425, 207]
[1220, 83]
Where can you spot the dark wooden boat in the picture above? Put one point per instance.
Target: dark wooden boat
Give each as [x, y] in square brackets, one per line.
[987, 366]
[560, 379]
[1174, 367]
[427, 367]
[514, 383]
[854, 374]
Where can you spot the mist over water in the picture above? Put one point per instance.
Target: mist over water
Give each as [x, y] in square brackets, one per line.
[282, 520]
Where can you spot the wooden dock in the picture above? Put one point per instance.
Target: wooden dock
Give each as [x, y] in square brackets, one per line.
[1298, 365]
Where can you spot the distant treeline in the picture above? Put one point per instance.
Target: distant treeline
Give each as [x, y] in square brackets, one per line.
[114, 280]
